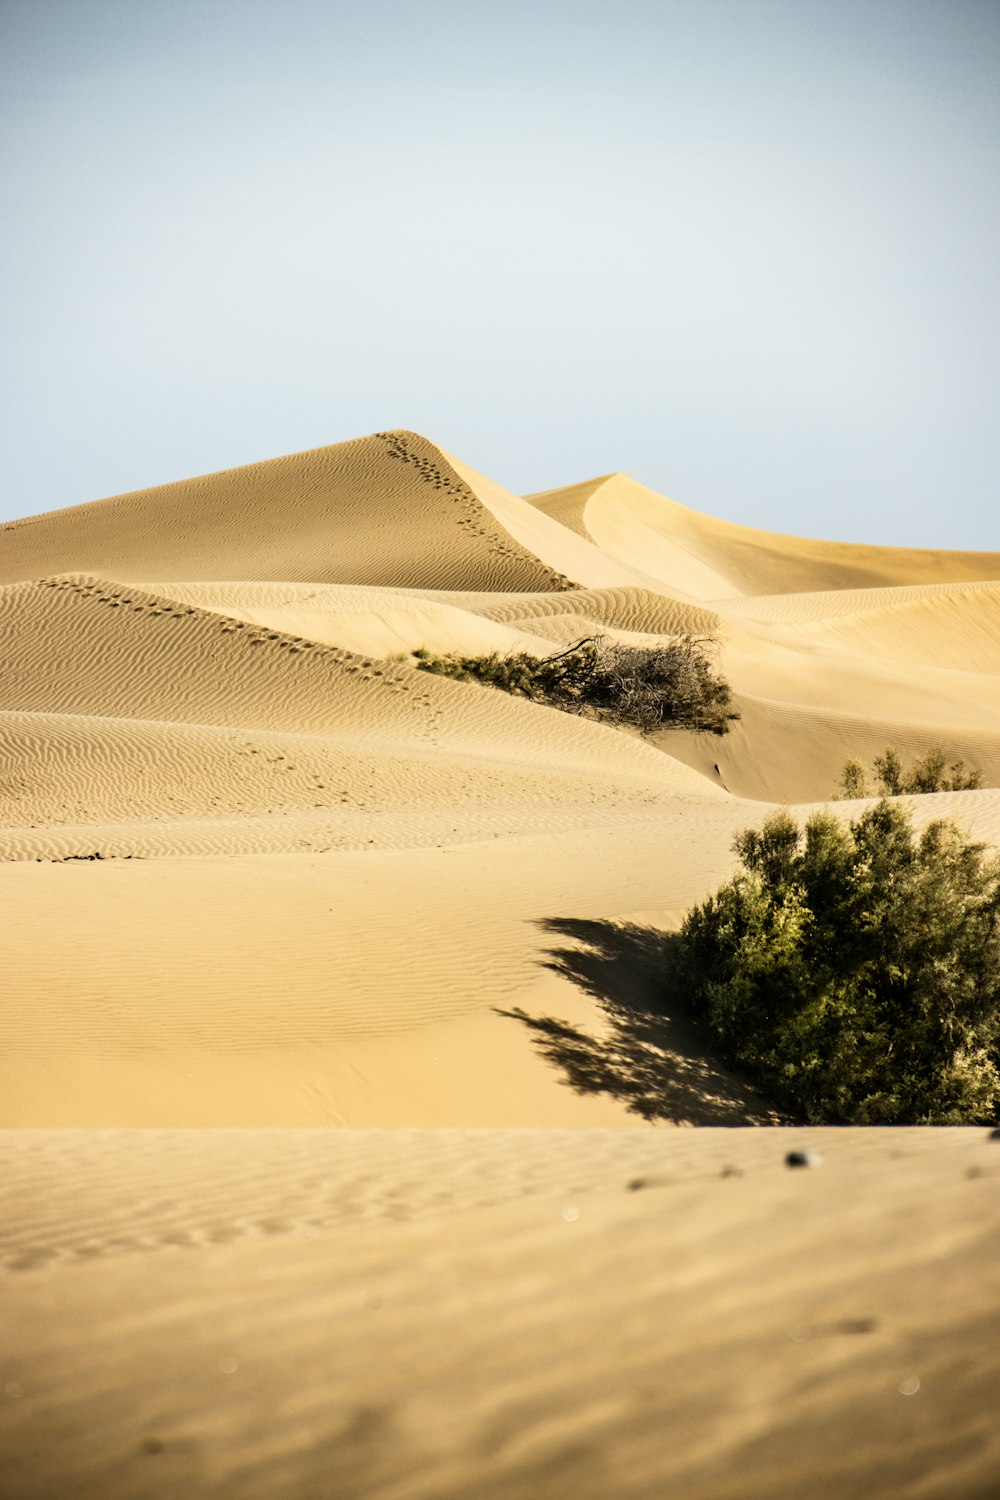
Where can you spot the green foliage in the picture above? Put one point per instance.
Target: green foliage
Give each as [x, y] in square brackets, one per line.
[649, 687]
[893, 779]
[853, 781]
[854, 969]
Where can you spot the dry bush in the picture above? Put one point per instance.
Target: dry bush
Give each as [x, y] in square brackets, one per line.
[853, 969]
[672, 685]
[893, 779]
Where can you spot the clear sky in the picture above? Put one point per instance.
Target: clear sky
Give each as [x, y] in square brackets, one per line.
[746, 250]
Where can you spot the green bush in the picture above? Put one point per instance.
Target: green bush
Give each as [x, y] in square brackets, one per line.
[673, 685]
[893, 779]
[853, 970]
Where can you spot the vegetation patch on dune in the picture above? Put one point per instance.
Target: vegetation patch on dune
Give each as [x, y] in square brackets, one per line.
[853, 969]
[665, 686]
[892, 778]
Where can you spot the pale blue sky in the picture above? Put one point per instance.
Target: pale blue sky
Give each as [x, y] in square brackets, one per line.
[746, 250]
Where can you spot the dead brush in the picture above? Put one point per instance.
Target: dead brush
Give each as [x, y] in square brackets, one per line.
[668, 685]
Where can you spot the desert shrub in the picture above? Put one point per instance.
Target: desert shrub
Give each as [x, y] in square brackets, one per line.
[670, 685]
[893, 779]
[853, 969]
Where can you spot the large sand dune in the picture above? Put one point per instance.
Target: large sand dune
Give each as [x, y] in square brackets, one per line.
[257, 870]
[718, 559]
[388, 509]
[241, 837]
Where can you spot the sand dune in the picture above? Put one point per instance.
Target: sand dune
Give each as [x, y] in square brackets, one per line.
[259, 871]
[211, 731]
[387, 509]
[719, 559]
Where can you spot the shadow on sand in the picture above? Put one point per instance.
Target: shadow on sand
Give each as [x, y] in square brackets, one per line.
[653, 1062]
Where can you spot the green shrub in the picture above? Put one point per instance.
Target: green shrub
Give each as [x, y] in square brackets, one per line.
[649, 687]
[893, 779]
[853, 970]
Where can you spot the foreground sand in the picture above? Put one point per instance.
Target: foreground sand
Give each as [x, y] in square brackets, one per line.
[416, 1316]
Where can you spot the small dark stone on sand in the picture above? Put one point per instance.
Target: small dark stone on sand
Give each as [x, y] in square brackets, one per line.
[805, 1158]
[153, 1445]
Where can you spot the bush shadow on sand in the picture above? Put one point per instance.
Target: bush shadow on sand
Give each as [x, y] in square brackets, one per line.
[649, 1055]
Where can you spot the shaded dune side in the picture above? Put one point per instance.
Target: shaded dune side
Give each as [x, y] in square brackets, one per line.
[386, 510]
[568, 503]
[824, 678]
[714, 559]
[561, 547]
[793, 752]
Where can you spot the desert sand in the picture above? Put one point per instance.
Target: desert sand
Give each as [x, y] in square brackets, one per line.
[442, 1314]
[257, 871]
